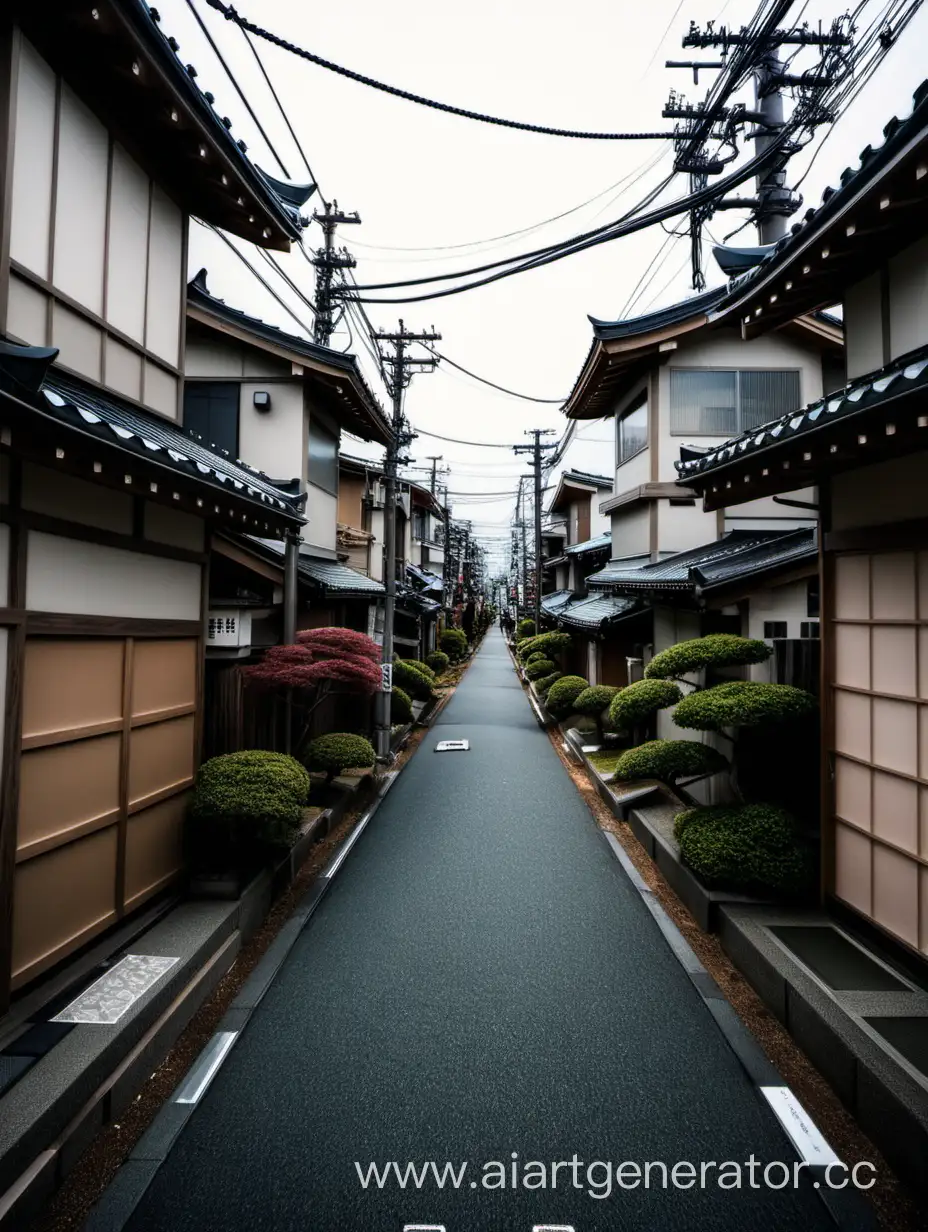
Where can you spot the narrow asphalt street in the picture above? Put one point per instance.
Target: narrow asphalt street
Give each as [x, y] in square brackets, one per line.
[481, 979]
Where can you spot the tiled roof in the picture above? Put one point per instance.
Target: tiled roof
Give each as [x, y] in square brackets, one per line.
[338, 578]
[423, 580]
[738, 554]
[790, 547]
[897, 134]
[552, 561]
[598, 610]
[105, 416]
[414, 600]
[199, 295]
[599, 481]
[606, 330]
[597, 544]
[905, 376]
[556, 602]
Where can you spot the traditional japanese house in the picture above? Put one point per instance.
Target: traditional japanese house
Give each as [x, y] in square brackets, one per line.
[108, 507]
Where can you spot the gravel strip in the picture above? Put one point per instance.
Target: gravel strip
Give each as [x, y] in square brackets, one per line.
[895, 1207]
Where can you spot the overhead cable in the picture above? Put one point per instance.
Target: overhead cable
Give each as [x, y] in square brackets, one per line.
[502, 389]
[231, 15]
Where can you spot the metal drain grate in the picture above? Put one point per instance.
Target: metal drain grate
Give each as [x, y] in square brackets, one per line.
[452, 746]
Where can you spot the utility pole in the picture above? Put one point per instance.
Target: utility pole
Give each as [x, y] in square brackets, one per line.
[434, 458]
[401, 366]
[327, 260]
[536, 449]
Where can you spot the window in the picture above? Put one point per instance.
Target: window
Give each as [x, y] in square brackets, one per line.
[632, 432]
[809, 628]
[322, 471]
[774, 629]
[211, 415]
[419, 524]
[813, 604]
[706, 402]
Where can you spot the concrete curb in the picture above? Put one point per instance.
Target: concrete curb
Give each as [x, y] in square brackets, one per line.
[128, 1187]
[849, 1211]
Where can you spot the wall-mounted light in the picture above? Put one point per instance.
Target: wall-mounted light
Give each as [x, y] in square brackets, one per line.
[262, 400]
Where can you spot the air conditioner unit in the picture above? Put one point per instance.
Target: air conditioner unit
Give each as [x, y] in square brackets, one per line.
[228, 628]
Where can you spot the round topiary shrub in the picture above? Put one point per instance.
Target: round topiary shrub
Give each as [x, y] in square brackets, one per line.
[534, 656]
[400, 706]
[744, 846]
[548, 644]
[415, 682]
[339, 751]
[595, 699]
[563, 693]
[670, 760]
[714, 650]
[635, 704]
[540, 667]
[743, 703]
[438, 661]
[454, 643]
[249, 800]
[525, 628]
[544, 684]
[420, 667]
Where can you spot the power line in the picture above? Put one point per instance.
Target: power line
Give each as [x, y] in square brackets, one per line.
[231, 15]
[238, 89]
[267, 286]
[502, 389]
[453, 441]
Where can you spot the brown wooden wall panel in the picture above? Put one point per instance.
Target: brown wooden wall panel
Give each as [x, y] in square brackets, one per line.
[61, 900]
[71, 683]
[164, 675]
[154, 848]
[64, 787]
[160, 756]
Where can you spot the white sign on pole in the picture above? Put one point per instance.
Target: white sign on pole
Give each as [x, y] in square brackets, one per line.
[386, 677]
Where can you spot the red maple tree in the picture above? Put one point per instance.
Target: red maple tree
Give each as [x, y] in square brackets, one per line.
[321, 662]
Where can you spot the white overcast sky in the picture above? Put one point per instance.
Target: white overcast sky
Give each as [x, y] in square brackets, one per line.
[423, 180]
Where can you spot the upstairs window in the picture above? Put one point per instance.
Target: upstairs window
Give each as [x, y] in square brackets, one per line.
[322, 471]
[211, 415]
[707, 402]
[632, 431]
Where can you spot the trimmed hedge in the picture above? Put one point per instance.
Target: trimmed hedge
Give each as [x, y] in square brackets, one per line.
[544, 684]
[339, 751]
[669, 760]
[424, 668]
[636, 703]
[454, 643]
[563, 693]
[714, 650]
[540, 667]
[413, 681]
[258, 794]
[743, 703]
[549, 644]
[744, 846]
[400, 706]
[438, 661]
[595, 699]
[534, 656]
[525, 628]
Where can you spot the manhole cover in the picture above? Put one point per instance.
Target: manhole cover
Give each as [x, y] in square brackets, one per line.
[452, 746]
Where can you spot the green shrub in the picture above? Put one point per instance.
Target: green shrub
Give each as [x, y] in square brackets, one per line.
[339, 751]
[415, 682]
[540, 667]
[743, 703]
[544, 684]
[595, 699]
[534, 656]
[438, 661]
[635, 704]
[525, 628]
[257, 795]
[424, 668]
[714, 650]
[400, 706]
[744, 846]
[670, 760]
[549, 644]
[454, 643]
[563, 693]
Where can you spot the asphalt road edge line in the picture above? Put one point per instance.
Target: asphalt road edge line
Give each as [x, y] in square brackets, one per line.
[119, 1201]
[847, 1208]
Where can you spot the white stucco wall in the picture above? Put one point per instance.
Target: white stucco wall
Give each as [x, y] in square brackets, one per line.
[274, 441]
[788, 602]
[631, 530]
[863, 326]
[908, 299]
[322, 511]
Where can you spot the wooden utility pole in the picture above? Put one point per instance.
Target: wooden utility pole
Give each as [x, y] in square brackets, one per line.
[401, 366]
[536, 449]
[327, 260]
